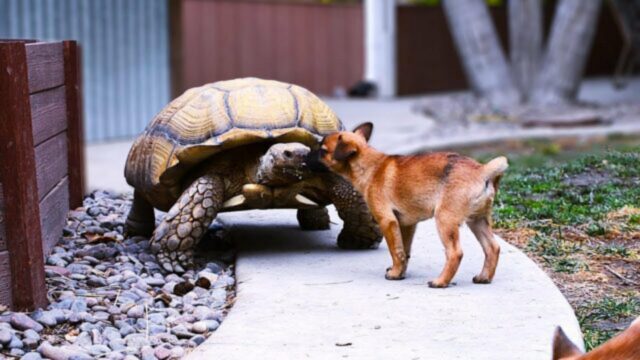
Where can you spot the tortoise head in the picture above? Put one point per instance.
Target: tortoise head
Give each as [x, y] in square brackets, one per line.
[283, 163]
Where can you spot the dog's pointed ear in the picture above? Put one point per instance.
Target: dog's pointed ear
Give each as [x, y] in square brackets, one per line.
[364, 130]
[344, 150]
[563, 348]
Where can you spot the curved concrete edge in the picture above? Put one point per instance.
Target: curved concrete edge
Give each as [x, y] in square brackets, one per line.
[301, 297]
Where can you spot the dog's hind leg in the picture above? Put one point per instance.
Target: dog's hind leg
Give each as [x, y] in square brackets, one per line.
[449, 232]
[481, 228]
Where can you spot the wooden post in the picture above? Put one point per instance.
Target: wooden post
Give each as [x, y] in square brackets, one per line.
[75, 136]
[380, 49]
[175, 47]
[18, 175]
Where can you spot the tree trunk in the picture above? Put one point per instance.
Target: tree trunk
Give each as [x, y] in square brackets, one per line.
[525, 42]
[572, 32]
[482, 57]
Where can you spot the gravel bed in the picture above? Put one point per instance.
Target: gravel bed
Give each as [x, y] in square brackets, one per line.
[110, 299]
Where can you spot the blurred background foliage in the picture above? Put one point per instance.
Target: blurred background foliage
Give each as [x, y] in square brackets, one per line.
[405, 2]
[437, 2]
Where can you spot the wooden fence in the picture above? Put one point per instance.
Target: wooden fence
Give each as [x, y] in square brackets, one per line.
[317, 46]
[41, 160]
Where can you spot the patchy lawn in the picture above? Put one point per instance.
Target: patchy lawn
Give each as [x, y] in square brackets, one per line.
[578, 216]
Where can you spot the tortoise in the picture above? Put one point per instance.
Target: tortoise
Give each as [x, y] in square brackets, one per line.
[237, 145]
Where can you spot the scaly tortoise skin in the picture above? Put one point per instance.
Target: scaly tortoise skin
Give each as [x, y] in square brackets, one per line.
[237, 145]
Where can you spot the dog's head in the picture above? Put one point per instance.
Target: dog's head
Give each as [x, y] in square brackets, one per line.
[338, 149]
[622, 346]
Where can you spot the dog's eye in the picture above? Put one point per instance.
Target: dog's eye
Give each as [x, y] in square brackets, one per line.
[323, 152]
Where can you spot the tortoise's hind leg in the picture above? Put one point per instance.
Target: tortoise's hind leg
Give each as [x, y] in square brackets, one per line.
[360, 230]
[313, 219]
[186, 222]
[141, 219]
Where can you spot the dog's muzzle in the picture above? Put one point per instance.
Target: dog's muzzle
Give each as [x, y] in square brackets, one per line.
[313, 162]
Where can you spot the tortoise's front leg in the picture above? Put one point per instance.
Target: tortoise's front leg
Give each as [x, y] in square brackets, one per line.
[360, 230]
[186, 222]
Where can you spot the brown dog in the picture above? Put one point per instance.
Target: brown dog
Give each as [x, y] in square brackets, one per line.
[404, 190]
[624, 346]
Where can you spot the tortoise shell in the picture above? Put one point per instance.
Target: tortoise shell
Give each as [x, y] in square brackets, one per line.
[214, 117]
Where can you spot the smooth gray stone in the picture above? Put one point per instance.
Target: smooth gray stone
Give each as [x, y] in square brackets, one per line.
[31, 356]
[99, 349]
[15, 343]
[146, 353]
[127, 330]
[23, 322]
[5, 336]
[136, 341]
[62, 352]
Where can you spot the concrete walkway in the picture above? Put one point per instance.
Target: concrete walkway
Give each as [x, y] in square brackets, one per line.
[300, 297]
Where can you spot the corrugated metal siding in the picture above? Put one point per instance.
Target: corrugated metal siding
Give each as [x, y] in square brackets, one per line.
[125, 48]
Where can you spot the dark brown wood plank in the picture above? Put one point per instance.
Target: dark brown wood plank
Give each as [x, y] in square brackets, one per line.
[226, 39]
[175, 43]
[5, 279]
[51, 164]
[54, 214]
[46, 66]
[48, 113]
[18, 176]
[3, 242]
[192, 38]
[75, 133]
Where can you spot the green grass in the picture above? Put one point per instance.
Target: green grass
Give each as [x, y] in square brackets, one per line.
[561, 194]
[551, 191]
[557, 253]
[556, 194]
[613, 249]
[593, 315]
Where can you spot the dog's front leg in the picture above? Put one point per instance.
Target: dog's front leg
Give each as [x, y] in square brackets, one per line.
[392, 234]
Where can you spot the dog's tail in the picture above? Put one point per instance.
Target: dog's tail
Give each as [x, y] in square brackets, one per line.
[494, 169]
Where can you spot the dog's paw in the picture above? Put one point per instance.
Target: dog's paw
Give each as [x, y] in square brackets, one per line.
[390, 274]
[437, 284]
[481, 280]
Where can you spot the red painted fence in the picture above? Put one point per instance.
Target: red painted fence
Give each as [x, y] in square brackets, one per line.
[317, 46]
